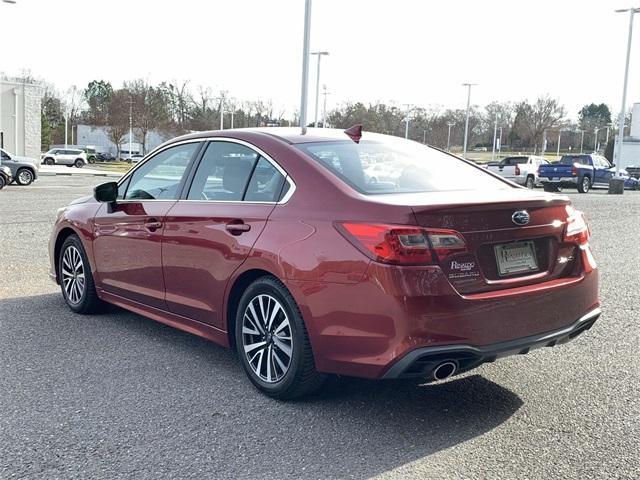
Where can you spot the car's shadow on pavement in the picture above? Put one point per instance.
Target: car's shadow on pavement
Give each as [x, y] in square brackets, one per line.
[117, 395]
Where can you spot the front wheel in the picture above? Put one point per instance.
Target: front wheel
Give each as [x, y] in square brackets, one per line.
[2, 182]
[585, 185]
[76, 279]
[24, 177]
[272, 341]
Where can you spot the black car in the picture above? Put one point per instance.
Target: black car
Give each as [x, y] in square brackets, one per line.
[5, 176]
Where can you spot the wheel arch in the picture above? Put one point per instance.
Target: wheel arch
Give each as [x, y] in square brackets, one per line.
[239, 285]
[63, 234]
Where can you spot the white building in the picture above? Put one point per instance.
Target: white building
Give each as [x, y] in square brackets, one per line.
[630, 144]
[98, 138]
[20, 127]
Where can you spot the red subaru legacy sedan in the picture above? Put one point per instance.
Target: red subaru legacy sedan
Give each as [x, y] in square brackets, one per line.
[331, 252]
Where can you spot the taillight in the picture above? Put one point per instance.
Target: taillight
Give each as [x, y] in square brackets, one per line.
[517, 170]
[574, 170]
[577, 230]
[403, 244]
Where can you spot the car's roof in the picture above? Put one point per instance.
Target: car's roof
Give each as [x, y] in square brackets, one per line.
[291, 135]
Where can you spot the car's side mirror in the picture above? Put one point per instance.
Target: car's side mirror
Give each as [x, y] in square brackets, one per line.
[106, 193]
[613, 165]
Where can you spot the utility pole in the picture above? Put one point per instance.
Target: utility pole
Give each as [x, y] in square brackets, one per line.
[581, 140]
[449, 136]
[466, 120]
[500, 142]
[305, 65]
[632, 12]
[319, 54]
[66, 128]
[233, 110]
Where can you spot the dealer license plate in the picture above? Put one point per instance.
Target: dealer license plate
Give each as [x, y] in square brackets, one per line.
[516, 257]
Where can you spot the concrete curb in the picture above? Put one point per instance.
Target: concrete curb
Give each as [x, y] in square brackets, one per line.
[79, 174]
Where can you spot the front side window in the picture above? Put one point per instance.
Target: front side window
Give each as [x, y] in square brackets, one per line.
[389, 165]
[159, 178]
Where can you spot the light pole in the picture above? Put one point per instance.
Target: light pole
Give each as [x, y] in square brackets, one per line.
[500, 142]
[305, 65]
[495, 135]
[319, 54]
[449, 136]
[406, 120]
[130, 127]
[632, 12]
[595, 142]
[606, 141]
[559, 138]
[466, 120]
[324, 107]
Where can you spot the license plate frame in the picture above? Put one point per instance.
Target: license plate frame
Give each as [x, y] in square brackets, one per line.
[523, 258]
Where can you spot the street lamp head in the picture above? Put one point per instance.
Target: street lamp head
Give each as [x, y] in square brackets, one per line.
[319, 53]
[9, 1]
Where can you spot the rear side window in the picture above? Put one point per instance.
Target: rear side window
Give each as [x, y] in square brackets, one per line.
[398, 166]
[515, 160]
[266, 183]
[223, 173]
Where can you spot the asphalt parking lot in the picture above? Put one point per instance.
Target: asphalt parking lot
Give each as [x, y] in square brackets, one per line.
[120, 396]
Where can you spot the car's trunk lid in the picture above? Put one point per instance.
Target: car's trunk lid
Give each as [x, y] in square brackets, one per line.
[486, 221]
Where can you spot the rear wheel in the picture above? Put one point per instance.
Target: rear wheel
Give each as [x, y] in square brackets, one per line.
[49, 161]
[531, 182]
[76, 280]
[79, 163]
[272, 341]
[24, 177]
[2, 182]
[551, 188]
[585, 185]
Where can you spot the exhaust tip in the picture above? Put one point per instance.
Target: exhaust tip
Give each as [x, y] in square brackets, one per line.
[444, 370]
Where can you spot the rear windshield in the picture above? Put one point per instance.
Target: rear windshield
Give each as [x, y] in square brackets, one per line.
[571, 159]
[398, 166]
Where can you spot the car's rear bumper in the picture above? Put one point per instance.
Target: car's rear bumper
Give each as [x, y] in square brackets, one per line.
[560, 181]
[363, 329]
[422, 361]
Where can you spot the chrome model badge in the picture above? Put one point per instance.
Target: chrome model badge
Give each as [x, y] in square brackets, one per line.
[521, 217]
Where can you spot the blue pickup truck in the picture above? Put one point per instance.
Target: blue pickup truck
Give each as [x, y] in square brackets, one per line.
[582, 172]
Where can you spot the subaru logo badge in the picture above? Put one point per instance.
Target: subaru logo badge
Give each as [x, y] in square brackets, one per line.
[521, 217]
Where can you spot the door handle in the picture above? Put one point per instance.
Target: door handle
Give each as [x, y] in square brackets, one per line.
[152, 225]
[237, 228]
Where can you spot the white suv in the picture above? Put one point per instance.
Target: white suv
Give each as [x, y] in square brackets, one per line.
[70, 157]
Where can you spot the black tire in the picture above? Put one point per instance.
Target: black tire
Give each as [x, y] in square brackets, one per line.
[551, 188]
[2, 182]
[88, 301]
[24, 177]
[92, 160]
[49, 161]
[584, 185]
[301, 378]
[79, 163]
[530, 182]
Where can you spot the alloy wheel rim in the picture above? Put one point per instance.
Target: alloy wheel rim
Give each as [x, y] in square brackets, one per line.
[73, 275]
[585, 184]
[266, 338]
[25, 176]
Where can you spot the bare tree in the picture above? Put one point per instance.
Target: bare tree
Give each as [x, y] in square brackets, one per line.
[118, 117]
[533, 119]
